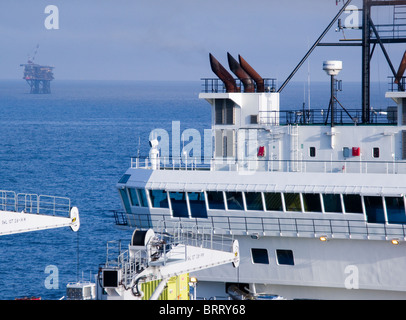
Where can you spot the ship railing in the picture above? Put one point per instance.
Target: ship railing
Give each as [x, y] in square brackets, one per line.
[280, 226]
[275, 165]
[33, 203]
[173, 242]
[120, 217]
[386, 116]
[173, 163]
[205, 236]
[215, 85]
[400, 86]
[393, 30]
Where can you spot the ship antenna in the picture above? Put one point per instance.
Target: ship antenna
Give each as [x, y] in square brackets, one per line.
[314, 46]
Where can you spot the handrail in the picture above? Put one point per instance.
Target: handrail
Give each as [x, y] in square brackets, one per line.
[275, 165]
[215, 85]
[33, 203]
[282, 226]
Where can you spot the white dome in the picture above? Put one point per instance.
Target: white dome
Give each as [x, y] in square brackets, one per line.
[332, 67]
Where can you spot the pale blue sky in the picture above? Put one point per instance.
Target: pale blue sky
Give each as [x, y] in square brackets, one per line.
[171, 39]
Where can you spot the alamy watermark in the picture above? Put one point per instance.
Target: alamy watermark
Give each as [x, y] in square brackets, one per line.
[52, 280]
[352, 20]
[52, 20]
[352, 279]
[225, 145]
[184, 146]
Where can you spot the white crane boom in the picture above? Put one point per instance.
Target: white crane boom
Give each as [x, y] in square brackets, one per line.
[29, 212]
[19, 222]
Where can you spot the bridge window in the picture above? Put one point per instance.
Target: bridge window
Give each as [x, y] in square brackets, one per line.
[332, 203]
[259, 256]
[273, 201]
[197, 204]
[254, 201]
[292, 202]
[125, 178]
[215, 200]
[352, 203]
[395, 208]
[234, 201]
[124, 196]
[159, 199]
[311, 202]
[178, 203]
[134, 197]
[374, 209]
[142, 196]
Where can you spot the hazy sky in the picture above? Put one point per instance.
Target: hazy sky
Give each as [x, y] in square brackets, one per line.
[171, 39]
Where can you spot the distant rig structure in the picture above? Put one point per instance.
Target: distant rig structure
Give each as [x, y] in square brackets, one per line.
[37, 76]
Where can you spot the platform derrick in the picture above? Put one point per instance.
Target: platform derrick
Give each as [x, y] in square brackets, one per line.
[38, 77]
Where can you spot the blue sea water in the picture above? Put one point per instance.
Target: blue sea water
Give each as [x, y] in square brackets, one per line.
[77, 143]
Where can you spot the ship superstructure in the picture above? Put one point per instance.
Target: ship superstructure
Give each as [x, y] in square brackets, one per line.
[315, 198]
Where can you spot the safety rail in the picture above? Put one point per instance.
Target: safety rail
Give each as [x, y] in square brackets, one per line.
[391, 30]
[33, 203]
[399, 86]
[280, 226]
[387, 116]
[165, 247]
[120, 217]
[359, 166]
[113, 253]
[215, 85]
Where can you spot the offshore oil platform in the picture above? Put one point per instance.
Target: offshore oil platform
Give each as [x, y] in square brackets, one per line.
[38, 77]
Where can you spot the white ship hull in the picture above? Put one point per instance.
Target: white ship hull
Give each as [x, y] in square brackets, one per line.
[336, 269]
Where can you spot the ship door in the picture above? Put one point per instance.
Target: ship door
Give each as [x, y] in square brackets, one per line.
[224, 144]
[274, 155]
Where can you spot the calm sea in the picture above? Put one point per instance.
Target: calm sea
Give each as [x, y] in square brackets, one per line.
[77, 143]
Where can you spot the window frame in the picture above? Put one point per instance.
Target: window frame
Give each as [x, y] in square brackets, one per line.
[264, 255]
[279, 257]
[376, 152]
[312, 152]
[208, 200]
[191, 205]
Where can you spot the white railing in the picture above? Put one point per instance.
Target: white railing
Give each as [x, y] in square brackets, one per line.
[305, 166]
[278, 226]
[33, 203]
[168, 242]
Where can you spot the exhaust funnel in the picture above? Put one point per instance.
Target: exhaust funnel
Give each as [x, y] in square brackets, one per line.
[223, 74]
[253, 74]
[241, 74]
[401, 70]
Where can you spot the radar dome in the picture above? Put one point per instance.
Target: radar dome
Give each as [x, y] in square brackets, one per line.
[332, 67]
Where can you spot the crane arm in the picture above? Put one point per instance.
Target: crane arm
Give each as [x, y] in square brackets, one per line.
[18, 222]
